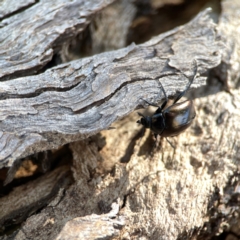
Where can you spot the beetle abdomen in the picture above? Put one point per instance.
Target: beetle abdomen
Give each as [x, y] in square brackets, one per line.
[178, 117]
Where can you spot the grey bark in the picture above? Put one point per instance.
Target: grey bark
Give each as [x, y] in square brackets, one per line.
[124, 190]
[8, 8]
[78, 99]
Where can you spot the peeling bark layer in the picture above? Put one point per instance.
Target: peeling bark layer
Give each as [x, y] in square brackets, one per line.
[78, 99]
[122, 187]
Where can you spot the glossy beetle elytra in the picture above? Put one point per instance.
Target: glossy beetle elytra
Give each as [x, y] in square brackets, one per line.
[169, 121]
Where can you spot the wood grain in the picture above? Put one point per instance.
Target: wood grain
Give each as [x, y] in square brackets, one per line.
[123, 187]
[78, 99]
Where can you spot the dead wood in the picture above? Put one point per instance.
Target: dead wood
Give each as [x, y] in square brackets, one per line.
[78, 99]
[165, 194]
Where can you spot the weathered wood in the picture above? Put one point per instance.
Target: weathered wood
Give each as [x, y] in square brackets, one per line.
[30, 38]
[27, 199]
[107, 225]
[10, 7]
[78, 99]
[162, 194]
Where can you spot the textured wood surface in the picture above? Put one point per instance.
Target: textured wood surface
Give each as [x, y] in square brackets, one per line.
[10, 7]
[78, 99]
[122, 187]
[30, 38]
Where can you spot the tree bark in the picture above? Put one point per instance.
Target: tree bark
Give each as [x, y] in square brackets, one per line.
[80, 98]
[121, 186]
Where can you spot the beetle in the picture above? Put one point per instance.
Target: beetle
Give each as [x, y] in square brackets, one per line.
[169, 121]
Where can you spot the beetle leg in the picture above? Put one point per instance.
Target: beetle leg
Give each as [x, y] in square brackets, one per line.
[150, 103]
[170, 143]
[140, 114]
[189, 84]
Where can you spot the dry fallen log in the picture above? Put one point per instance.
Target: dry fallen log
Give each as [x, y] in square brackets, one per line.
[39, 30]
[78, 99]
[10, 7]
[167, 194]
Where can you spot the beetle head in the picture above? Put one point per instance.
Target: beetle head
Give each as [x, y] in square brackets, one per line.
[145, 121]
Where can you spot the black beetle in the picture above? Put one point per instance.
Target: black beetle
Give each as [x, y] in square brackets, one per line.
[169, 121]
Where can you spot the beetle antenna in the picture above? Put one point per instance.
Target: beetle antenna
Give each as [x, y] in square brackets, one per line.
[166, 98]
[150, 103]
[190, 82]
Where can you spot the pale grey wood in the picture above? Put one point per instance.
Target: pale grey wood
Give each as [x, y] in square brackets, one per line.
[165, 195]
[11, 6]
[105, 225]
[169, 193]
[29, 39]
[80, 98]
